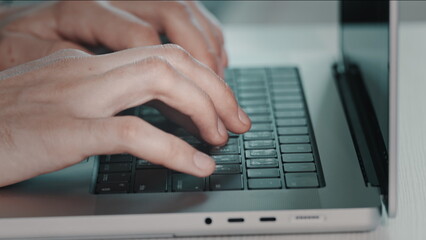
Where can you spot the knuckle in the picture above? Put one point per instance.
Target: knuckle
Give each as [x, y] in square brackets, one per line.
[177, 51]
[128, 129]
[164, 73]
[158, 64]
[64, 51]
[180, 7]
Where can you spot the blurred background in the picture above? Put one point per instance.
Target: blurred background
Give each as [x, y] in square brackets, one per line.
[295, 12]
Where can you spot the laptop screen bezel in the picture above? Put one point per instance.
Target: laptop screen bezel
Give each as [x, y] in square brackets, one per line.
[390, 190]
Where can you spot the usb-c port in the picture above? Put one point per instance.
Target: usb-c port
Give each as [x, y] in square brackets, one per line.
[268, 219]
[235, 220]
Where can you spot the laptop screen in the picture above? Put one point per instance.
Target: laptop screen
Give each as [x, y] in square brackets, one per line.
[365, 43]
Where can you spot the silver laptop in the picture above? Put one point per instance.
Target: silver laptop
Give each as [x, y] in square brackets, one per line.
[328, 166]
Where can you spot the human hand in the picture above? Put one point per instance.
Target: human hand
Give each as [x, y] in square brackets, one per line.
[37, 31]
[58, 110]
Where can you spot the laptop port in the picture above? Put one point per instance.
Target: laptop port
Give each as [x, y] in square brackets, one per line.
[235, 220]
[268, 219]
[208, 221]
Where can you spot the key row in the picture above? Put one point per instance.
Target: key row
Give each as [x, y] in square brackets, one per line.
[156, 181]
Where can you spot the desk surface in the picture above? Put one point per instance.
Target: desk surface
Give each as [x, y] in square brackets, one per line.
[307, 41]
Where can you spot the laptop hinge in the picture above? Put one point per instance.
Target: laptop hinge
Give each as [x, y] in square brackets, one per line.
[363, 124]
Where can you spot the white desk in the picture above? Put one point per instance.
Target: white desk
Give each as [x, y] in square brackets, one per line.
[299, 43]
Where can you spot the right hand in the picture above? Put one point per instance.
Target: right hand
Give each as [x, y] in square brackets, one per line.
[58, 110]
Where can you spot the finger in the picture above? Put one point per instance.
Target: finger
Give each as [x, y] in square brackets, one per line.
[19, 48]
[150, 79]
[183, 28]
[224, 58]
[178, 21]
[134, 136]
[177, 117]
[223, 99]
[107, 25]
[211, 25]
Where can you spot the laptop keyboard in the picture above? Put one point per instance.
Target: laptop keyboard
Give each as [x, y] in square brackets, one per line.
[279, 151]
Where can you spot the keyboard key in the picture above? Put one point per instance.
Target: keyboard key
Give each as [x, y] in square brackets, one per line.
[258, 79]
[258, 110]
[262, 163]
[268, 183]
[299, 167]
[180, 132]
[187, 183]
[263, 173]
[252, 71]
[291, 122]
[227, 169]
[227, 159]
[266, 153]
[284, 77]
[127, 112]
[148, 111]
[191, 140]
[292, 130]
[261, 119]
[115, 167]
[252, 103]
[251, 85]
[227, 149]
[114, 177]
[156, 119]
[117, 158]
[153, 180]
[232, 141]
[290, 114]
[259, 144]
[233, 135]
[261, 127]
[286, 98]
[259, 136]
[288, 106]
[104, 188]
[284, 84]
[286, 91]
[297, 157]
[301, 180]
[283, 71]
[226, 182]
[251, 88]
[296, 148]
[251, 95]
[142, 163]
[294, 139]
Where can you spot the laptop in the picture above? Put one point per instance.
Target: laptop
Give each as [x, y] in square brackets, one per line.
[326, 166]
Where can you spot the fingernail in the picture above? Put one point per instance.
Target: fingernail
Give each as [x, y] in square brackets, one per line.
[243, 117]
[221, 128]
[202, 161]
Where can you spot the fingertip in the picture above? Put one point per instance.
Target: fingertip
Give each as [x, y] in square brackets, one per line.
[244, 119]
[204, 164]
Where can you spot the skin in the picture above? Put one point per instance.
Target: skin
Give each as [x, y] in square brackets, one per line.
[58, 109]
[53, 116]
[28, 33]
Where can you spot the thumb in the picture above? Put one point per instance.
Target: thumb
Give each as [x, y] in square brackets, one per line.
[132, 135]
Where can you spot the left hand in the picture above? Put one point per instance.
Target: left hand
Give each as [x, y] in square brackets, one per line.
[37, 31]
